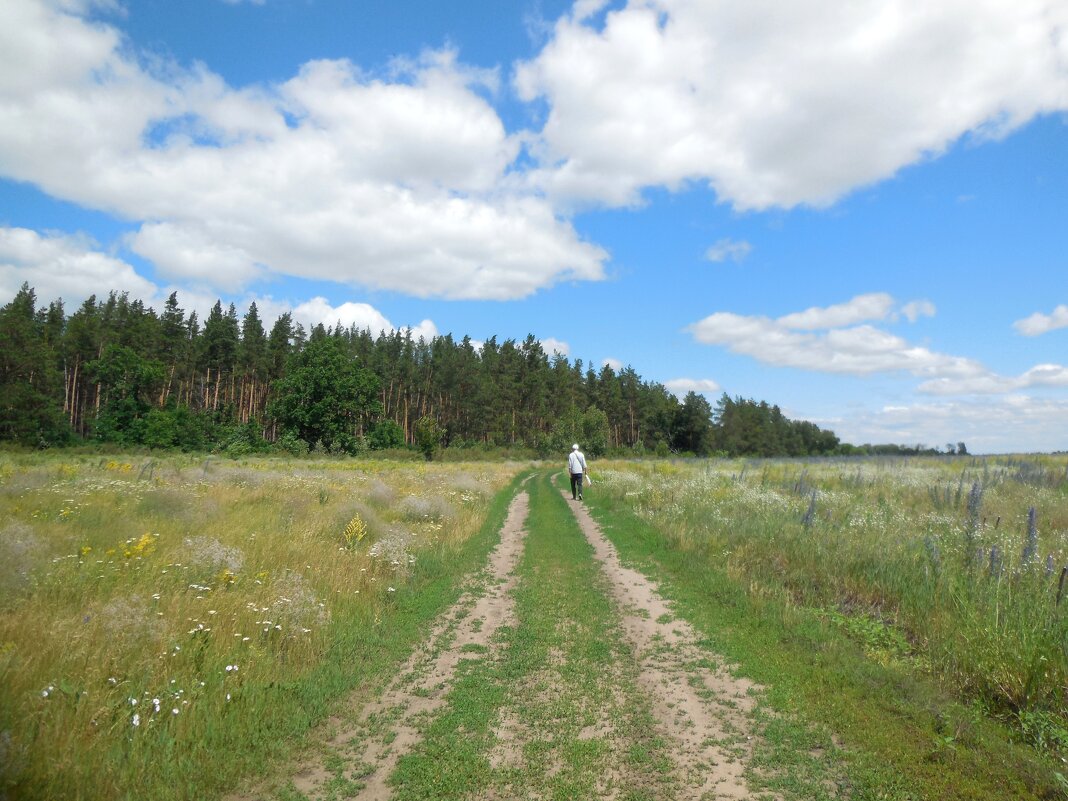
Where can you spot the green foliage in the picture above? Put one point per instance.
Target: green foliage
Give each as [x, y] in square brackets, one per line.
[748, 428]
[324, 396]
[290, 443]
[28, 417]
[243, 440]
[595, 431]
[345, 444]
[112, 370]
[127, 382]
[29, 378]
[385, 434]
[693, 425]
[428, 436]
[160, 428]
[176, 427]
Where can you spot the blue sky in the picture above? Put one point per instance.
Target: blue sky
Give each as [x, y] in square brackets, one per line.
[854, 212]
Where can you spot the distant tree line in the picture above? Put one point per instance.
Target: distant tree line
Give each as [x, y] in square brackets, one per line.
[117, 371]
[960, 449]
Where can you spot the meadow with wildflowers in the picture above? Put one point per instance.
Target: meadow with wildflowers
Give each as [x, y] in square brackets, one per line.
[170, 625]
[951, 570]
[177, 627]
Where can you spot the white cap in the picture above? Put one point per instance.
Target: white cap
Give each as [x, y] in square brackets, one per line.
[574, 447]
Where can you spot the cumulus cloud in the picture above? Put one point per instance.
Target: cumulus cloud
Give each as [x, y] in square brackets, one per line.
[64, 266]
[1014, 423]
[840, 339]
[73, 268]
[1041, 375]
[362, 315]
[615, 364]
[1039, 323]
[873, 306]
[397, 182]
[829, 339]
[552, 345]
[702, 386]
[779, 105]
[728, 250]
[184, 253]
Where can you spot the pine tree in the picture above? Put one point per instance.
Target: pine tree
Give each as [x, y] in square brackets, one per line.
[29, 379]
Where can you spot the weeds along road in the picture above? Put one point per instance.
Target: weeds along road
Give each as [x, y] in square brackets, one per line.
[560, 673]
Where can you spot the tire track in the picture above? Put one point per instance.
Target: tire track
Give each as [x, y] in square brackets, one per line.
[361, 757]
[698, 704]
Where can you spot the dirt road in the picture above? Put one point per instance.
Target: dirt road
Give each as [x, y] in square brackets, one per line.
[699, 713]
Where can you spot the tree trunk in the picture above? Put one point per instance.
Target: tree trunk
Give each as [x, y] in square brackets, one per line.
[166, 393]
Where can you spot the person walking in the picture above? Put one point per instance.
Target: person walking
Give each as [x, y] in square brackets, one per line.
[576, 466]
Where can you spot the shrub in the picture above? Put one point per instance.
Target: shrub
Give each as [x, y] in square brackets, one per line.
[385, 434]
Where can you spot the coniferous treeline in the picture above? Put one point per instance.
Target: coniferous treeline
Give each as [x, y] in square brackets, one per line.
[117, 371]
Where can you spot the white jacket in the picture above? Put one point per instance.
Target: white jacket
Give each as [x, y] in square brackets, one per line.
[576, 462]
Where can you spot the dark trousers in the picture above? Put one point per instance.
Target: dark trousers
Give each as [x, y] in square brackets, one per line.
[576, 485]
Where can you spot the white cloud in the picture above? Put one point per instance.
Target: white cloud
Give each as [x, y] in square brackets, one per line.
[873, 306]
[1013, 424]
[362, 315]
[397, 182]
[777, 105]
[70, 267]
[615, 364]
[64, 266]
[861, 350]
[917, 309]
[194, 255]
[552, 345]
[790, 341]
[830, 340]
[728, 249]
[1042, 375]
[584, 9]
[702, 386]
[1039, 323]
[318, 310]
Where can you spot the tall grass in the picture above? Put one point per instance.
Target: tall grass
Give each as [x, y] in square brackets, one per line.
[161, 622]
[953, 564]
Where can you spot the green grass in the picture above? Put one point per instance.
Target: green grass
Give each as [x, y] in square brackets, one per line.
[901, 735]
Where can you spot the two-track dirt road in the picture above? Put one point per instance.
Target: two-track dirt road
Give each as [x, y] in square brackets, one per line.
[700, 712]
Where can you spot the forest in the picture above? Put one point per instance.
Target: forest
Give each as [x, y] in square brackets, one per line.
[116, 371]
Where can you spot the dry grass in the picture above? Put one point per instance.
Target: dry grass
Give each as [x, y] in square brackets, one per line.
[137, 612]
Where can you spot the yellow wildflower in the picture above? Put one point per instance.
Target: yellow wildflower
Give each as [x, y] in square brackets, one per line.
[354, 532]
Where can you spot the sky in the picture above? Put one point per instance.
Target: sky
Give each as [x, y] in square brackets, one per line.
[853, 211]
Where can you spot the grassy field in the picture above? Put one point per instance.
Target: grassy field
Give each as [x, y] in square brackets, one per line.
[169, 625]
[937, 572]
